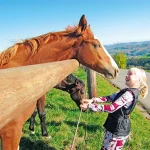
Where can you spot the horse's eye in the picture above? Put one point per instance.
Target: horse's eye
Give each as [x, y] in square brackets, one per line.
[96, 45]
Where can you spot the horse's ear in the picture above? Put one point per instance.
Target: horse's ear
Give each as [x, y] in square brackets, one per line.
[82, 25]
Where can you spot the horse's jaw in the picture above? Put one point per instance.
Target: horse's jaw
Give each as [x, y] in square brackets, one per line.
[108, 72]
[109, 76]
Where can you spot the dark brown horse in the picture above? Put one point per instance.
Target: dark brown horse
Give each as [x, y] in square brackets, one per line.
[75, 43]
[71, 84]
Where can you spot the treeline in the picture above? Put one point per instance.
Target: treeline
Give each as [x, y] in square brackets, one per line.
[142, 62]
[124, 62]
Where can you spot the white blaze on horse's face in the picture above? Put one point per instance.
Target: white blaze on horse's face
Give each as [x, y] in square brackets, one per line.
[111, 61]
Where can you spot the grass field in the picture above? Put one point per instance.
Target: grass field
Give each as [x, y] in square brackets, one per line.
[62, 118]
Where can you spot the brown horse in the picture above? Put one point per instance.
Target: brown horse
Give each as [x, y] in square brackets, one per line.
[75, 43]
[71, 84]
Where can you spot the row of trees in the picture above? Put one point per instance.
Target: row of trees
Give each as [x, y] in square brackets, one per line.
[140, 62]
[124, 62]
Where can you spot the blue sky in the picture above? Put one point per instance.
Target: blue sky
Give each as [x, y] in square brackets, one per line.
[112, 21]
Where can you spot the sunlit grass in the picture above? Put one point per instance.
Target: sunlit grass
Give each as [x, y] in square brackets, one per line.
[62, 118]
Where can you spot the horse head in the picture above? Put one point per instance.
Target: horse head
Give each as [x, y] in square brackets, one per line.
[75, 87]
[91, 53]
[77, 92]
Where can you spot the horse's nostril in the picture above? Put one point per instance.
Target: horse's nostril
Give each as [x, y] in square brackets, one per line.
[116, 72]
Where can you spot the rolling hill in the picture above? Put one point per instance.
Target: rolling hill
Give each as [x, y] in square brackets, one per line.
[131, 48]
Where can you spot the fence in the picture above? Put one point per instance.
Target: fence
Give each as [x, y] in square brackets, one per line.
[21, 86]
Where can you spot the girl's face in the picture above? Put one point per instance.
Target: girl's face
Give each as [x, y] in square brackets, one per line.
[132, 79]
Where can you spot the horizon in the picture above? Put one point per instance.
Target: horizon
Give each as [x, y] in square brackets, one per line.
[129, 42]
[112, 21]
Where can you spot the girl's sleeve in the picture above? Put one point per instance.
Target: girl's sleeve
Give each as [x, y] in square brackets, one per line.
[109, 98]
[125, 99]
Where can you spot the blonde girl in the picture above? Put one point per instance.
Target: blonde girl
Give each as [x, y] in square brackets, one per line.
[117, 125]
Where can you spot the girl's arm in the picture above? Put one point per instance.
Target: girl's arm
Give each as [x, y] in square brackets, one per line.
[109, 98]
[124, 100]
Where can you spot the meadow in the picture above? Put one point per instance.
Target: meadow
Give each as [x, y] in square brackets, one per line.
[62, 117]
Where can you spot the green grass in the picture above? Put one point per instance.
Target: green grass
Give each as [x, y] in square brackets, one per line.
[147, 70]
[144, 56]
[62, 117]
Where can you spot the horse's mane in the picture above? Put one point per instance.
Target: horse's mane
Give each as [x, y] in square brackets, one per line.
[6, 55]
[36, 42]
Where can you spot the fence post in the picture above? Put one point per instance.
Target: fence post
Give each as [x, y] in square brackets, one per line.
[91, 81]
[21, 86]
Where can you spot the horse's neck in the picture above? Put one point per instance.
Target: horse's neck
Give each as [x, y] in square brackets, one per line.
[59, 49]
[24, 56]
[51, 55]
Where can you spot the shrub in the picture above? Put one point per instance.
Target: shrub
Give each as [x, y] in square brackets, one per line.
[121, 60]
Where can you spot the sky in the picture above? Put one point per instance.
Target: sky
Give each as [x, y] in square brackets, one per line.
[112, 21]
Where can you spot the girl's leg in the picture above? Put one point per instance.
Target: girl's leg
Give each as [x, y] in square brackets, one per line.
[107, 137]
[113, 143]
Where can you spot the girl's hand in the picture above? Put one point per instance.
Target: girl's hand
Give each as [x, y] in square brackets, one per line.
[87, 101]
[84, 106]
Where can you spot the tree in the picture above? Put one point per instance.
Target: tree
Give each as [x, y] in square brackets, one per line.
[121, 60]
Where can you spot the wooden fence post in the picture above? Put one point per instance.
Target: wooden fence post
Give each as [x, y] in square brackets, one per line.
[91, 82]
[21, 86]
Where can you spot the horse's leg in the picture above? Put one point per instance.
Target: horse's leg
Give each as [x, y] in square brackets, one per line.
[32, 121]
[42, 114]
[11, 138]
[11, 133]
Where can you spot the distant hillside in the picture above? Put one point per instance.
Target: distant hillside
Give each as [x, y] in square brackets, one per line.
[131, 48]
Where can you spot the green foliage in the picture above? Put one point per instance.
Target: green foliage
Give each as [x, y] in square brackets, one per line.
[141, 62]
[62, 116]
[148, 55]
[144, 56]
[120, 59]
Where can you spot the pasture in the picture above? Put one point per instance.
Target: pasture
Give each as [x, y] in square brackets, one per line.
[62, 118]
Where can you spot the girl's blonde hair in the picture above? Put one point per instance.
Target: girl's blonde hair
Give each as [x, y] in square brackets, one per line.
[143, 82]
